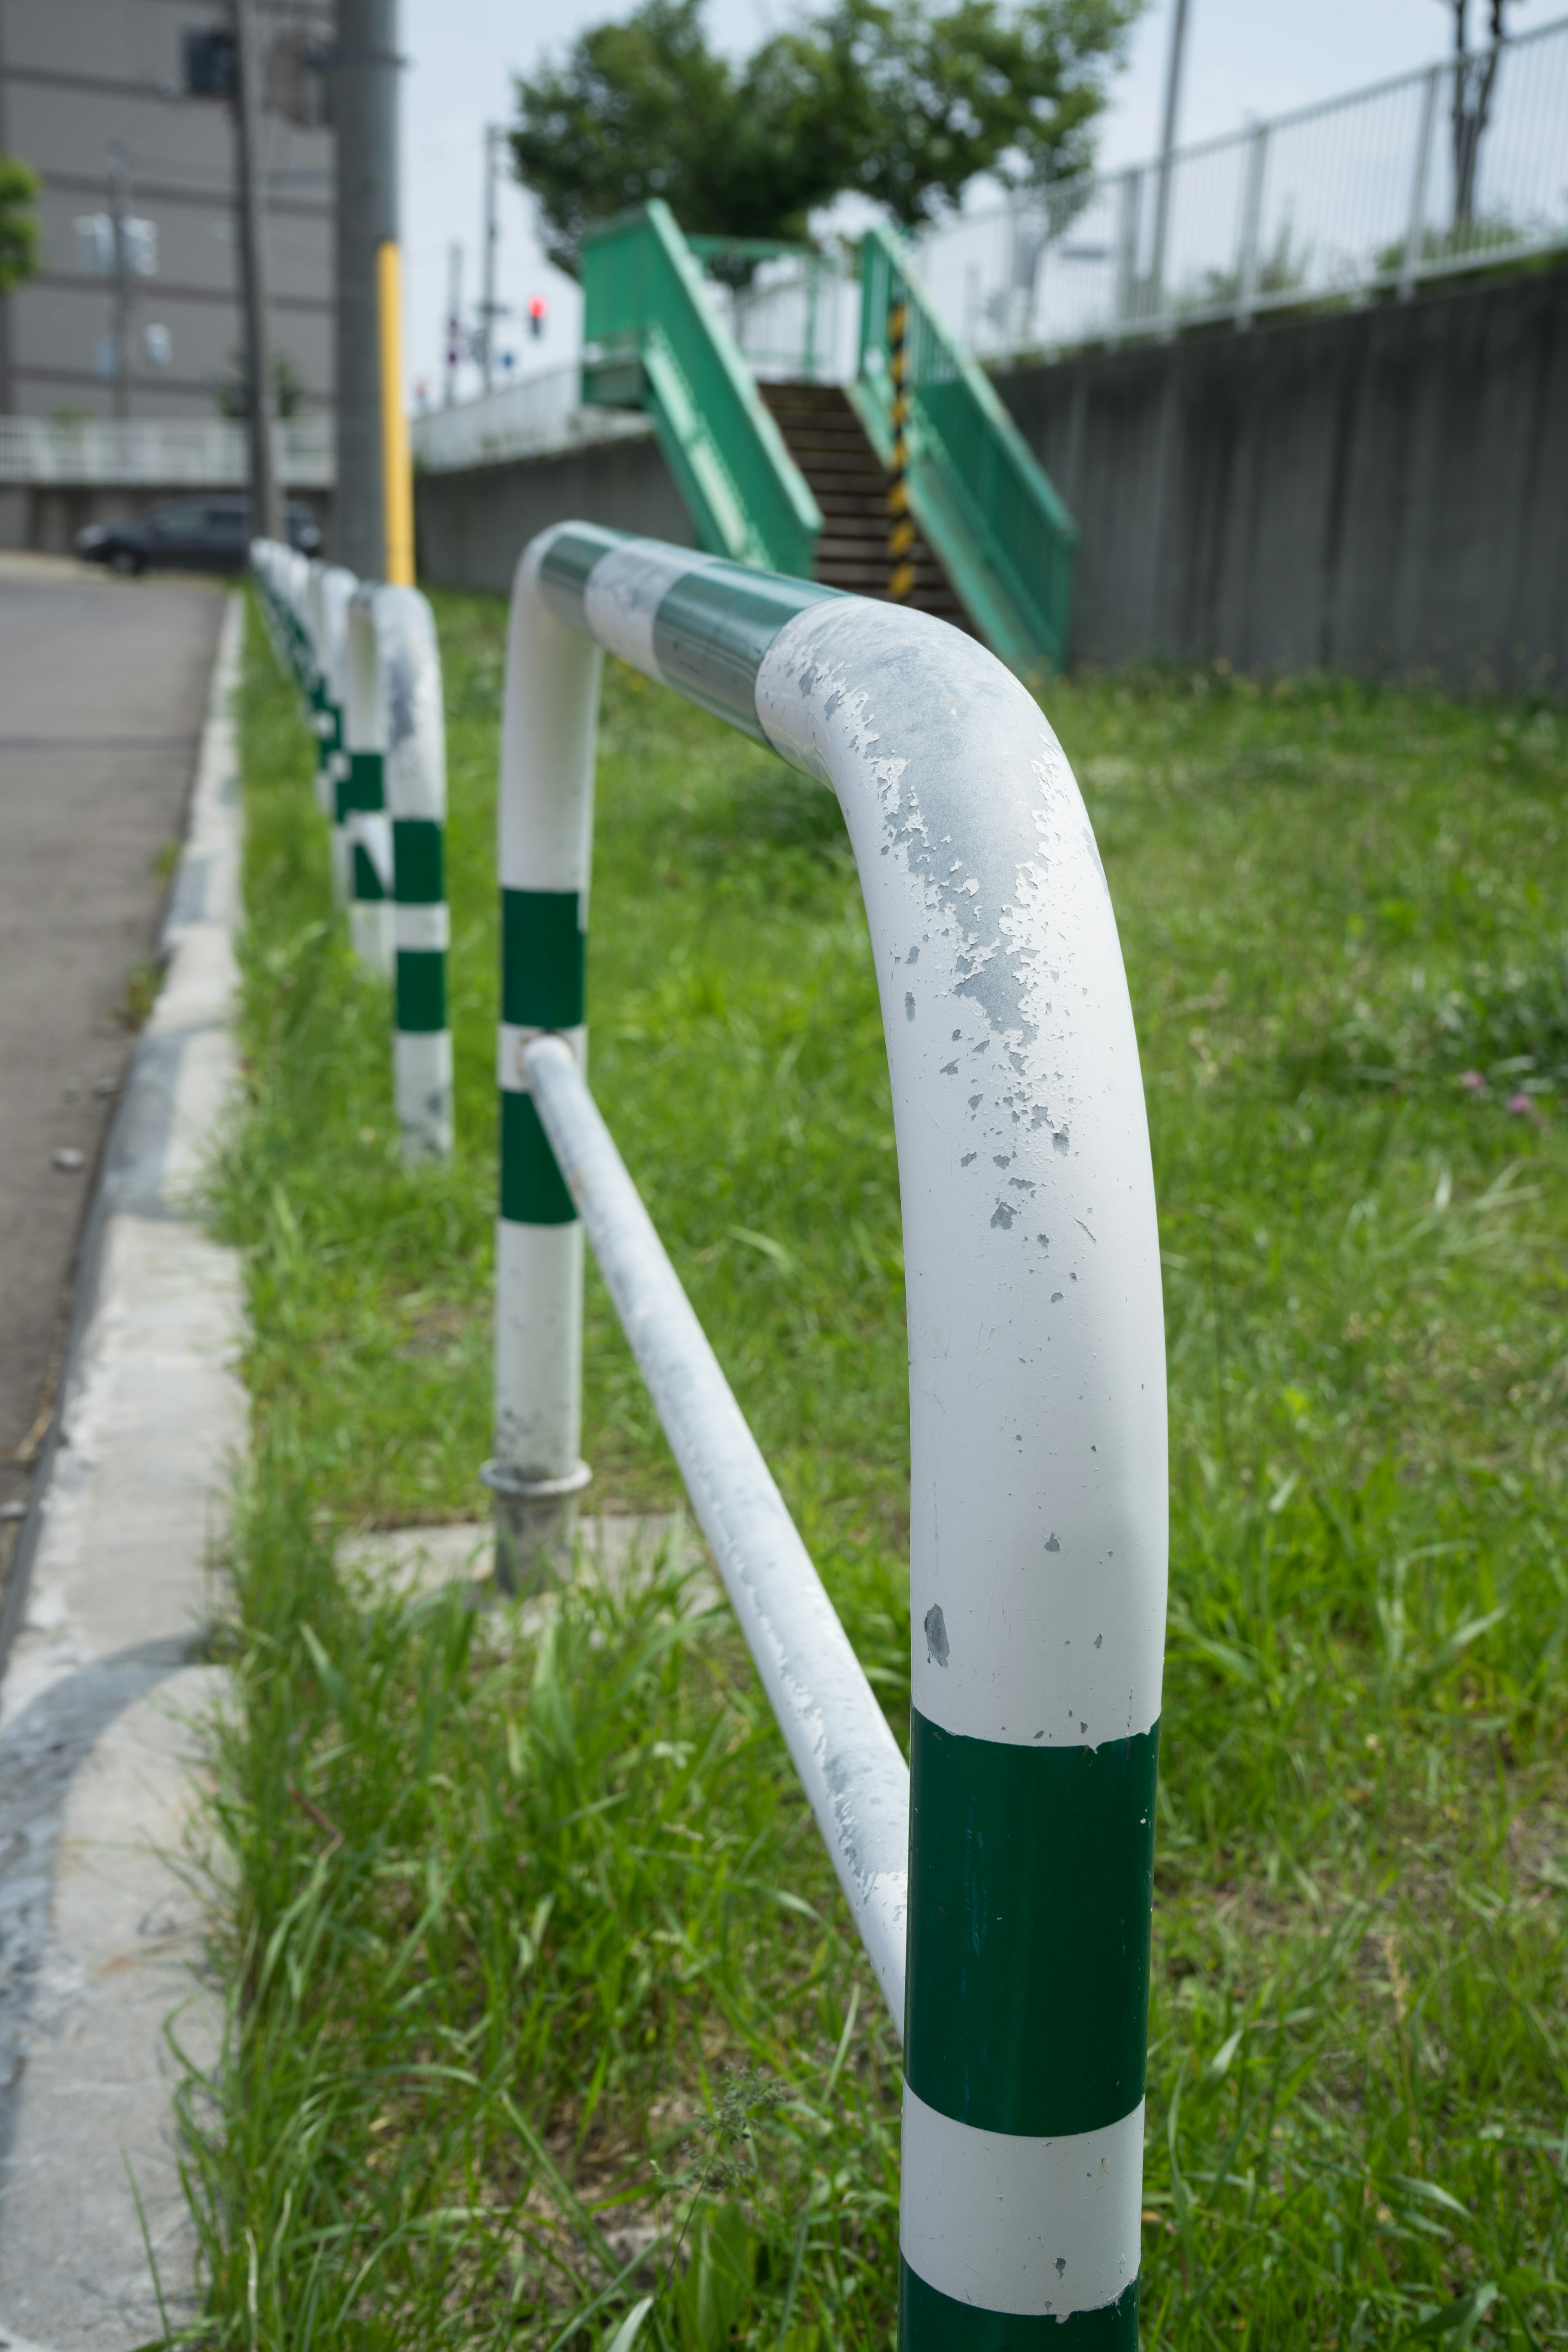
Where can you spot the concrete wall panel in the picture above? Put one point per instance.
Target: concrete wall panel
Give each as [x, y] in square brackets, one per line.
[1383, 489]
[473, 526]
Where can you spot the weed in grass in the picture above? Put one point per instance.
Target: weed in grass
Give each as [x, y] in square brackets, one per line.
[503, 1907]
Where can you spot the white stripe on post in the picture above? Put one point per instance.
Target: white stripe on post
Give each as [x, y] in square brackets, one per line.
[1005, 2223]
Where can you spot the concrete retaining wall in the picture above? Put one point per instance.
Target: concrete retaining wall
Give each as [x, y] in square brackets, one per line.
[472, 526]
[1379, 489]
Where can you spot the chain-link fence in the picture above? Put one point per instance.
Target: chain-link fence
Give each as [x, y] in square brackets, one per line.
[1460, 166]
[1455, 168]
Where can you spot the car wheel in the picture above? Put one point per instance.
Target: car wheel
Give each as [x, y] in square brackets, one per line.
[127, 562]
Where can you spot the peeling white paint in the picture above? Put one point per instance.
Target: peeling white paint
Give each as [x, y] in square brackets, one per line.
[930, 743]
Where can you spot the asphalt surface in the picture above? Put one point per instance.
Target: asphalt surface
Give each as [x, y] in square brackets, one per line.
[103, 686]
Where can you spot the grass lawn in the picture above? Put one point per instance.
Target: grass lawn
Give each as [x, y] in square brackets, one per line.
[531, 1948]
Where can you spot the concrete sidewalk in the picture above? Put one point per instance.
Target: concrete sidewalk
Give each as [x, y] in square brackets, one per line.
[102, 689]
[100, 1929]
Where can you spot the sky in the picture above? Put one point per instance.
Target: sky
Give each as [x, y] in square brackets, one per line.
[1244, 57]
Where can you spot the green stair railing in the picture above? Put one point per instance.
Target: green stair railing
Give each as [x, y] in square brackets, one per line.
[653, 340]
[986, 506]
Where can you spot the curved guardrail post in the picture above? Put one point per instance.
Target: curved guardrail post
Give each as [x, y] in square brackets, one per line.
[327, 595]
[415, 771]
[549, 733]
[1036, 1373]
[361, 792]
[292, 572]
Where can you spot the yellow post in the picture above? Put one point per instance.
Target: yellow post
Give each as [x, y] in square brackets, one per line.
[396, 467]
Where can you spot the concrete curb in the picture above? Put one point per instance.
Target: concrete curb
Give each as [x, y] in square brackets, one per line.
[99, 1751]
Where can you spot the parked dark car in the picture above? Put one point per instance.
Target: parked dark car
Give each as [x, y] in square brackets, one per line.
[189, 535]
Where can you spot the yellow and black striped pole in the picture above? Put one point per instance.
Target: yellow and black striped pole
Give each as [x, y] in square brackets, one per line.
[900, 525]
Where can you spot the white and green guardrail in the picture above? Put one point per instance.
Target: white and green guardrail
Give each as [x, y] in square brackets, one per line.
[1003, 1885]
[367, 661]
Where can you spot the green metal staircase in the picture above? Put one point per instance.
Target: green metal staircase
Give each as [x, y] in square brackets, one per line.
[653, 340]
[997, 540]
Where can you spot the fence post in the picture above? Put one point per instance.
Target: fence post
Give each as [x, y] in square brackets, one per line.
[362, 793]
[1416, 229]
[1247, 260]
[549, 732]
[1128, 210]
[416, 784]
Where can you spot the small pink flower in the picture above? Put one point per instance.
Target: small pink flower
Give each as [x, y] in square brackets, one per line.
[1521, 1106]
[1473, 1083]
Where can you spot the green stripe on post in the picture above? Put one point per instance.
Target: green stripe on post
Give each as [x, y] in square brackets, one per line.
[568, 559]
[543, 955]
[532, 1191]
[362, 788]
[927, 2317]
[421, 989]
[1031, 1887]
[713, 629]
[367, 881]
[417, 861]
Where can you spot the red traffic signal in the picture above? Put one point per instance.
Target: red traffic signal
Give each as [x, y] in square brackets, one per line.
[536, 310]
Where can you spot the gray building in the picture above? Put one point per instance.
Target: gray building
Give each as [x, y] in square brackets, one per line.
[93, 95]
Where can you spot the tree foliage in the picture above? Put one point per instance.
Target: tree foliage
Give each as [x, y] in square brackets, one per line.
[904, 101]
[19, 191]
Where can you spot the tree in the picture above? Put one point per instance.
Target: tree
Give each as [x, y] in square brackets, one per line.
[1474, 75]
[901, 101]
[231, 392]
[19, 191]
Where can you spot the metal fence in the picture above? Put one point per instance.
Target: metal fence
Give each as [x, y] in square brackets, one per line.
[205, 453]
[541, 415]
[1450, 168]
[1459, 166]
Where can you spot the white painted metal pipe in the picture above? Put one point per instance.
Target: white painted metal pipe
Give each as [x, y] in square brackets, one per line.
[1036, 1381]
[848, 1761]
[550, 713]
[416, 783]
[361, 797]
[328, 592]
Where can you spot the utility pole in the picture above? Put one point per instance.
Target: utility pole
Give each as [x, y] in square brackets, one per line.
[119, 311]
[365, 110]
[1167, 153]
[454, 320]
[266, 504]
[489, 307]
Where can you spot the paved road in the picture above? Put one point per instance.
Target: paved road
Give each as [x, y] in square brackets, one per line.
[103, 685]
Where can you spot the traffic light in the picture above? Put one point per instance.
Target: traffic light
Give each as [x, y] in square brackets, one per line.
[536, 310]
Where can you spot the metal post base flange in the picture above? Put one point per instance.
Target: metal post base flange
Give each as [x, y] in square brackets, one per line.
[535, 1521]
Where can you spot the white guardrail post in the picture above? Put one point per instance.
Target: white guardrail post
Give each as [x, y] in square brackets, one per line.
[328, 589]
[1037, 1384]
[396, 663]
[375, 690]
[361, 797]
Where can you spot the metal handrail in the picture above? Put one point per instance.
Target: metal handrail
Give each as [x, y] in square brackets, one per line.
[163, 452]
[978, 491]
[652, 340]
[1036, 1380]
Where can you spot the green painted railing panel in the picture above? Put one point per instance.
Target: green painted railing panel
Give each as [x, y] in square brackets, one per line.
[982, 500]
[652, 340]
